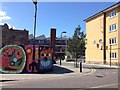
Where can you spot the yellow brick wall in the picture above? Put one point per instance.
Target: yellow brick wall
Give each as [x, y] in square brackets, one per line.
[114, 48]
[94, 30]
[119, 34]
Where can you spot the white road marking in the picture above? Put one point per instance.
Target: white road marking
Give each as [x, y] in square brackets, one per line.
[105, 85]
[6, 84]
[92, 71]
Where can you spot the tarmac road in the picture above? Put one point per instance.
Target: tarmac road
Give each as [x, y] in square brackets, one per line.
[102, 78]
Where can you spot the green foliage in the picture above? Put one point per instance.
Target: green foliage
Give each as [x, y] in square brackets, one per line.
[76, 44]
[68, 54]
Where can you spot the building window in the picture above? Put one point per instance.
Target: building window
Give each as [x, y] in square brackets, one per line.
[21, 35]
[4, 35]
[13, 36]
[39, 41]
[113, 55]
[112, 14]
[112, 41]
[112, 27]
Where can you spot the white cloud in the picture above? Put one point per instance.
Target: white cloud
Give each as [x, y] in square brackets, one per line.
[8, 25]
[3, 16]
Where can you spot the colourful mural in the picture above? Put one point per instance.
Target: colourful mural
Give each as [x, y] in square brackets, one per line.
[13, 59]
[46, 59]
[32, 65]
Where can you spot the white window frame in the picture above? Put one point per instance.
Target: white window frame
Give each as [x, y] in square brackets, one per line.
[113, 27]
[112, 14]
[112, 41]
[113, 55]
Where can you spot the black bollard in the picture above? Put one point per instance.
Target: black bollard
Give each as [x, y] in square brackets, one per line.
[60, 61]
[81, 66]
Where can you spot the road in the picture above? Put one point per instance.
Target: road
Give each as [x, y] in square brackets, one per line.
[102, 78]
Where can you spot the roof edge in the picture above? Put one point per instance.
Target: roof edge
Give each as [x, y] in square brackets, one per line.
[105, 10]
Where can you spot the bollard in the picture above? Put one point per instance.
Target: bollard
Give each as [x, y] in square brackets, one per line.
[60, 61]
[80, 66]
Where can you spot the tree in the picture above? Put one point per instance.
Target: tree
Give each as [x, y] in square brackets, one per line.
[76, 44]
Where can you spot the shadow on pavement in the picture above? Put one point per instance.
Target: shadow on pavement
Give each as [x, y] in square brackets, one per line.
[7, 80]
[55, 70]
[59, 70]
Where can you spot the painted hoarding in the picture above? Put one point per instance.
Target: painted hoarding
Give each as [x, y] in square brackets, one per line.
[13, 59]
[32, 65]
[45, 60]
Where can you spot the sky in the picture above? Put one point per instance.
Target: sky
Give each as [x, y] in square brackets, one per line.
[64, 16]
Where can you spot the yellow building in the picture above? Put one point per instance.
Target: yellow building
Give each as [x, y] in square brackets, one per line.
[103, 36]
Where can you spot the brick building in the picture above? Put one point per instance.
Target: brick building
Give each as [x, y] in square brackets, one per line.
[60, 45]
[12, 36]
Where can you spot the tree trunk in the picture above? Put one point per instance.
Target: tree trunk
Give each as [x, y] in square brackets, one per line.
[76, 60]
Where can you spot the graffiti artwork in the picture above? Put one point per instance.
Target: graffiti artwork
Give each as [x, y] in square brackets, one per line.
[46, 59]
[13, 59]
[32, 65]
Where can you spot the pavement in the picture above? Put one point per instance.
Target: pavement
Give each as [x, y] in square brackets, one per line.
[100, 66]
[97, 66]
[58, 71]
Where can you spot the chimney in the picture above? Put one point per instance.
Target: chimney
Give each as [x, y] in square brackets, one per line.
[52, 38]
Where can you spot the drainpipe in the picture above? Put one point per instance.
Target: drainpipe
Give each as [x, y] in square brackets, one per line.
[104, 37]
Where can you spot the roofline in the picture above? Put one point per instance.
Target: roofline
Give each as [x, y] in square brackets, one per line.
[15, 29]
[103, 11]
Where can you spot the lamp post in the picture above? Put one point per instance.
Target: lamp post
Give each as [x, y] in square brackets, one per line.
[35, 3]
[61, 44]
[33, 65]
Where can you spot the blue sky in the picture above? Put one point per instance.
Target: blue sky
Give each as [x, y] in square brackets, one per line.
[64, 16]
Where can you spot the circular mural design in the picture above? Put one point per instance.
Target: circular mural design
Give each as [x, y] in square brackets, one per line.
[13, 59]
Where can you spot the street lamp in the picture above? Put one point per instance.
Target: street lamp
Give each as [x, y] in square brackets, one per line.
[34, 64]
[61, 44]
[35, 3]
